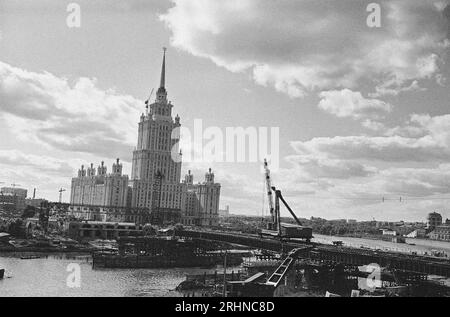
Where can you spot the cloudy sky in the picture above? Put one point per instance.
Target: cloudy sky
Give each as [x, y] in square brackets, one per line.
[363, 113]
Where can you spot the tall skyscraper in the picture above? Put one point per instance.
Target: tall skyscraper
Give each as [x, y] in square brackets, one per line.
[156, 173]
[156, 193]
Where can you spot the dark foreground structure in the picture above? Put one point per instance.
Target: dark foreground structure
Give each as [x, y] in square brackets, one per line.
[166, 252]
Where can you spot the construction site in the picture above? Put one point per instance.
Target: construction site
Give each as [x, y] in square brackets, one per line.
[279, 260]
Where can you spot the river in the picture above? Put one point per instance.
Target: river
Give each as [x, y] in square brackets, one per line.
[47, 276]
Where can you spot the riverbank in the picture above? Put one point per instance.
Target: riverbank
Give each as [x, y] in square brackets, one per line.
[412, 245]
[53, 250]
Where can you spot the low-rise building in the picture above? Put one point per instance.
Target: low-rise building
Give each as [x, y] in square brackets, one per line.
[418, 233]
[441, 232]
[81, 230]
[388, 232]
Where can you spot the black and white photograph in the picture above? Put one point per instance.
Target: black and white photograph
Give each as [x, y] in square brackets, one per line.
[224, 153]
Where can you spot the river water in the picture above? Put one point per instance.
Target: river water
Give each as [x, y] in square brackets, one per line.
[48, 277]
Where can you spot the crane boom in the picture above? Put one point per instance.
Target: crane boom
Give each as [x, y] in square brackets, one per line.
[279, 195]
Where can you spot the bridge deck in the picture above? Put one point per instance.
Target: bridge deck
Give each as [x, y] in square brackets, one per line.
[328, 253]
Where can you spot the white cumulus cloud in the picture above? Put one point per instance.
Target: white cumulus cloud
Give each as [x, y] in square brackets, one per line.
[347, 103]
[299, 46]
[78, 117]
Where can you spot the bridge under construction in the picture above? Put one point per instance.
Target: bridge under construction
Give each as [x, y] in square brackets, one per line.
[295, 242]
[326, 253]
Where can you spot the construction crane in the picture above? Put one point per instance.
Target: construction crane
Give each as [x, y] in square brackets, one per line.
[148, 100]
[276, 228]
[272, 225]
[61, 190]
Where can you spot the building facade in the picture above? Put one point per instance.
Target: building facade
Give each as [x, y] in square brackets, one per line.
[434, 219]
[201, 201]
[102, 230]
[418, 233]
[13, 199]
[441, 232]
[96, 187]
[35, 202]
[224, 212]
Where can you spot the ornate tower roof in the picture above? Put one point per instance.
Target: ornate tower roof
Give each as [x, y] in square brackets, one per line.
[162, 93]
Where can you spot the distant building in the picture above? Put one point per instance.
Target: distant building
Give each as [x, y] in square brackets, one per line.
[14, 191]
[434, 219]
[34, 202]
[200, 204]
[12, 199]
[418, 233]
[388, 232]
[224, 212]
[98, 188]
[10, 205]
[441, 232]
[386, 224]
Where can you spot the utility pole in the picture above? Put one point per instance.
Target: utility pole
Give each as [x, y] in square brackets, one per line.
[225, 274]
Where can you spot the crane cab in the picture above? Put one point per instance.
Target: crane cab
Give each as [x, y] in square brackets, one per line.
[292, 231]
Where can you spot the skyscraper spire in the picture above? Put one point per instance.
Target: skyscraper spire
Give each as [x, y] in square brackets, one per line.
[163, 70]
